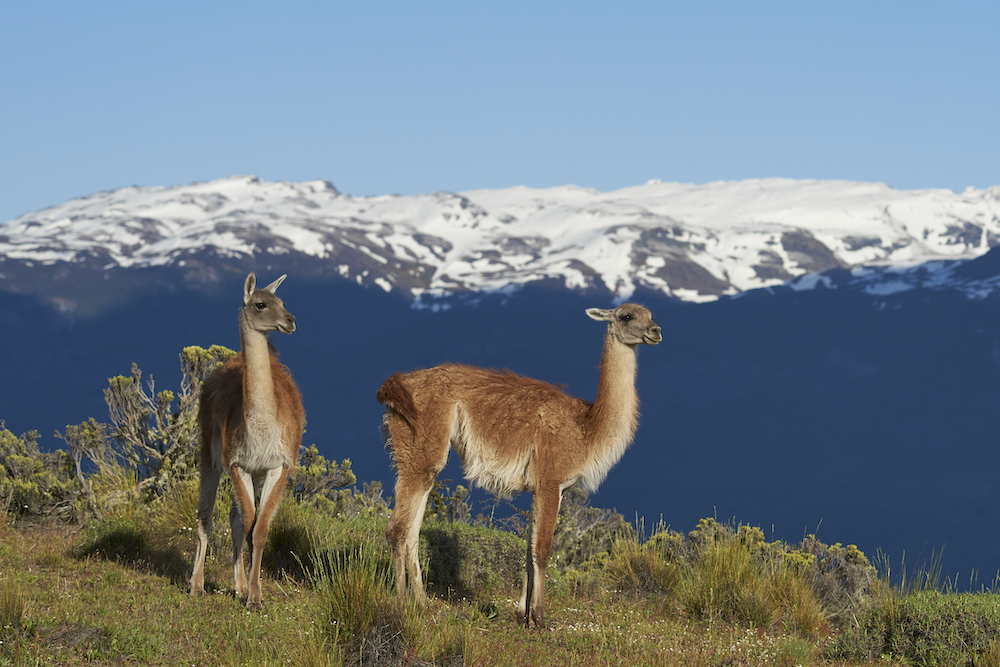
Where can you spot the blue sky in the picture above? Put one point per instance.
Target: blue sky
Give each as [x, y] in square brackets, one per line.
[406, 98]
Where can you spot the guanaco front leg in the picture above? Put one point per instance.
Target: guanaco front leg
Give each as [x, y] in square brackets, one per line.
[241, 518]
[544, 512]
[270, 497]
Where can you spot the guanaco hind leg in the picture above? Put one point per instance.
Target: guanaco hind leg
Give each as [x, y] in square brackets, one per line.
[206, 505]
[419, 459]
[403, 534]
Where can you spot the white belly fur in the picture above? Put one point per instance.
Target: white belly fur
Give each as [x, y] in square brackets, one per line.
[486, 465]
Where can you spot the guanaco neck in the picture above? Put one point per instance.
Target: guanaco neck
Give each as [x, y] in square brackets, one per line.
[258, 390]
[613, 417]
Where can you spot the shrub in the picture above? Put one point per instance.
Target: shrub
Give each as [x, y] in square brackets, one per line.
[316, 477]
[351, 503]
[36, 484]
[653, 568]
[469, 560]
[583, 531]
[157, 441]
[444, 504]
[924, 628]
[842, 577]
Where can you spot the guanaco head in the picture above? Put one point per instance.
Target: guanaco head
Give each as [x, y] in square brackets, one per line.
[630, 323]
[263, 311]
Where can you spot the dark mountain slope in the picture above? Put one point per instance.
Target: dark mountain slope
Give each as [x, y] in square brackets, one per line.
[874, 416]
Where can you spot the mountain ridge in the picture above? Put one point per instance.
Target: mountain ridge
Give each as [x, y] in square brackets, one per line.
[690, 242]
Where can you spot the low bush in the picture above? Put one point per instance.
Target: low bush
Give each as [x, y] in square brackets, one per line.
[731, 574]
[643, 569]
[466, 561]
[583, 531]
[842, 577]
[925, 628]
[36, 484]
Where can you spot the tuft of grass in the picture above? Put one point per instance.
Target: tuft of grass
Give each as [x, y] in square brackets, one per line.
[358, 610]
[728, 583]
[637, 569]
[354, 589]
[990, 657]
[174, 516]
[794, 652]
[13, 603]
[793, 595]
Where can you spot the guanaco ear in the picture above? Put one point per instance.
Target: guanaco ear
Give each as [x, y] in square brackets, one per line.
[273, 286]
[600, 314]
[248, 287]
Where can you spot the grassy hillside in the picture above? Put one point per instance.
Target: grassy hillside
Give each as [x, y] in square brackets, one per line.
[113, 593]
[96, 550]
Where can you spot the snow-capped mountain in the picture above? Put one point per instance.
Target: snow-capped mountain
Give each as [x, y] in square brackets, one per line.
[691, 242]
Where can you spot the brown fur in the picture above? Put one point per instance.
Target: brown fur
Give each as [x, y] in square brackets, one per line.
[221, 402]
[392, 392]
[513, 434]
[251, 417]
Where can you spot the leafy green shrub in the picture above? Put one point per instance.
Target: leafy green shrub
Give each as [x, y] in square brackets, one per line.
[156, 440]
[443, 504]
[924, 628]
[316, 477]
[36, 484]
[350, 503]
[707, 533]
[470, 560]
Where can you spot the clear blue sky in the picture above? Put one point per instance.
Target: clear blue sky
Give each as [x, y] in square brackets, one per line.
[414, 97]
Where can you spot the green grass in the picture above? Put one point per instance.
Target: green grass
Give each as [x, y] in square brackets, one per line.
[114, 594]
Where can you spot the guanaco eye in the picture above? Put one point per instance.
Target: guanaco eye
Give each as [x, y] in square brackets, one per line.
[627, 317]
[260, 305]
